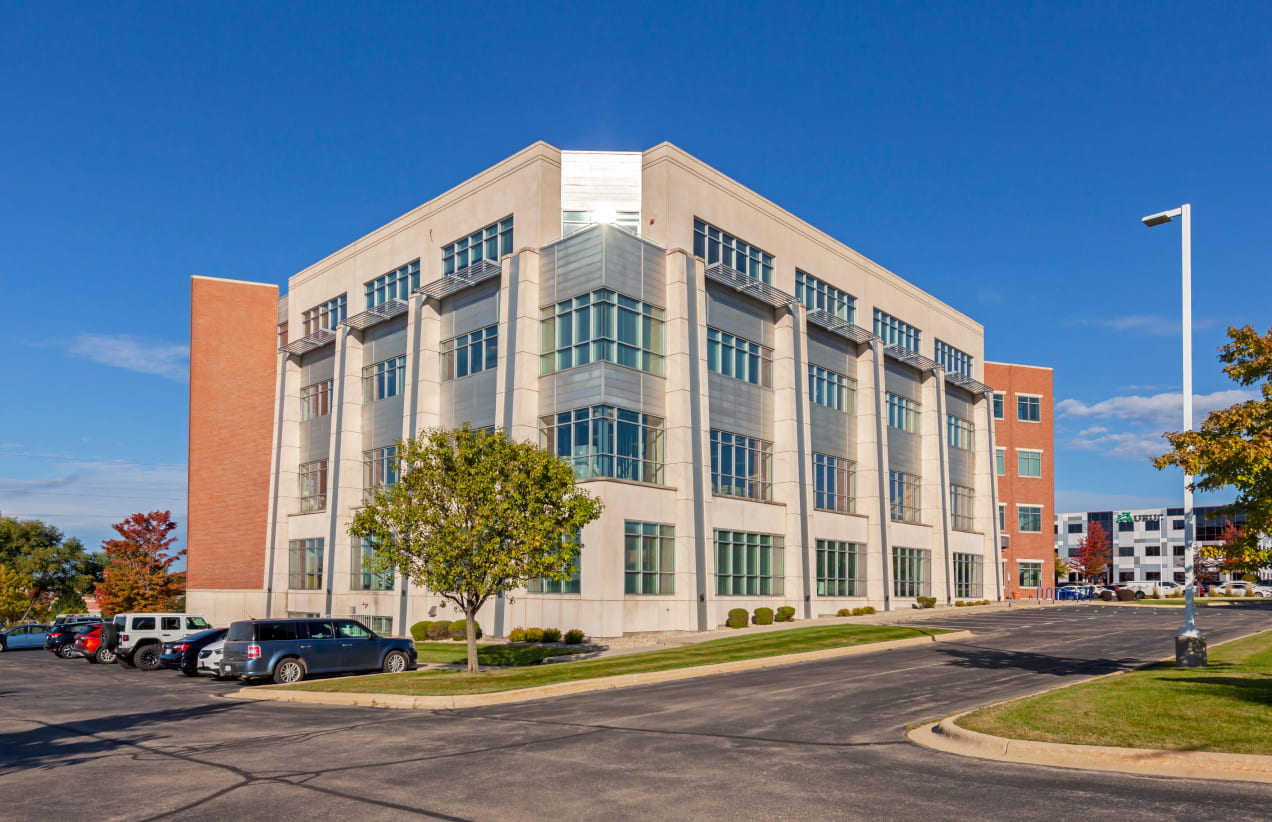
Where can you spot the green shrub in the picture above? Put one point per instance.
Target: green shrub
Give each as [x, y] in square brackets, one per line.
[419, 631]
[438, 630]
[869, 609]
[785, 614]
[738, 618]
[459, 629]
[574, 637]
[925, 602]
[763, 616]
[1249, 592]
[858, 611]
[1250, 578]
[551, 634]
[534, 635]
[517, 635]
[845, 612]
[959, 603]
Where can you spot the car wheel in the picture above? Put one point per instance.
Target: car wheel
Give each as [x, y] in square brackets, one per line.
[104, 656]
[288, 671]
[395, 662]
[67, 651]
[3, 646]
[1139, 594]
[110, 636]
[146, 658]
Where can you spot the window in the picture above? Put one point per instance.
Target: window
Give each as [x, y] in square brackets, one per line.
[605, 441]
[362, 579]
[739, 358]
[903, 495]
[1125, 576]
[818, 296]
[1075, 528]
[953, 360]
[833, 483]
[749, 564]
[1124, 526]
[396, 285]
[959, 432]
[1028, 409]
[384, 379]
[894, 332]
[313, 486]
[379, 468]
[383, 626]
[830, 389]
[903, 414]
[1000, 461]
[1179, 550]
[325, 317]
[1152, 576]
[304, 564]
[649, 558]
[1030, 518]
[1177, 525]
[1152, 525]
[490, 243]
[196, 624]
[1028, 463]
[968, 575]
[1126, 551]
[170, 623]
[143, 623]
[470, 353]
[998, 405]
[911, 572]
[573, 585]
[572, 221]
[348, 629]
[962, 500]
[315, 400]
[1030, 574]
[839, 573]
[714, 245]
[741, 466]
[1152, 550]
[603, 326]
[1002, 516]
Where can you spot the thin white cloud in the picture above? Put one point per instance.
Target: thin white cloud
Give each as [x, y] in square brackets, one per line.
[163, 359]
[1127, 445]
[1164, 411]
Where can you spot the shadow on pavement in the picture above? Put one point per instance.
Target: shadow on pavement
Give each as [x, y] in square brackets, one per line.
[992, 659]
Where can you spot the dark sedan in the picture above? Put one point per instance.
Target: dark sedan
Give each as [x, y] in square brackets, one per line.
[183, 654]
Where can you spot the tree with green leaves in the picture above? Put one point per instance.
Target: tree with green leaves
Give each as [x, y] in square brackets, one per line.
[475, 514]
[139, 575]
[1062, 570]
[56, 566]
[14, 603]
[1233, 447]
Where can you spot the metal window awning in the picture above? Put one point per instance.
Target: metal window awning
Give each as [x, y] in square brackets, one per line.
[309, 342]
[908, 357]
[963, 381]
[843, 328]
[382, 312]
[743, 284]
[466, 277]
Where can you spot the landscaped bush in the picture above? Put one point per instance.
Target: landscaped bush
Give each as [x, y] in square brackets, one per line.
[1125, 595]
[785, 614]
[1250, 578]
[858, 611]
[925, 602]
[534, 635]
[1249, 592]
[738, 618]
[459, 629]
[419, 631]
[574, 637]
[961, 604]
[869, 609]
[517, 635]
[843, 612]
[551, 634]
[763, 616]
[438, 630]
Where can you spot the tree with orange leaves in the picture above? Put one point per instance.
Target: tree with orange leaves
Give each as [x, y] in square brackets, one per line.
[138, 575]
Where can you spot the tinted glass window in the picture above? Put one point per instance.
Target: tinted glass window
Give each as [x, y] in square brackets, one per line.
[275, 631]
[195, 623]
[352, 630]
[120, 621]
[241, 632]
[320, 629]
[171, 623]
[143, 623]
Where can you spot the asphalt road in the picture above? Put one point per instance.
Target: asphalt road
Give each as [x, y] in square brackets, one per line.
[822, 740]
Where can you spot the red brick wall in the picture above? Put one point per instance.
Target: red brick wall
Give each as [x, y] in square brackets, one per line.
[233, 357]
[1009, 433]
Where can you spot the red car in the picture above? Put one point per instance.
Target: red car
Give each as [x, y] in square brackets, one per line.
[89, 645]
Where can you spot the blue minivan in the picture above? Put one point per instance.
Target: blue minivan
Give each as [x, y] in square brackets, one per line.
[288, 650]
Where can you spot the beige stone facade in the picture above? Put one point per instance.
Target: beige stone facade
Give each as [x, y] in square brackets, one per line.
[628, 221]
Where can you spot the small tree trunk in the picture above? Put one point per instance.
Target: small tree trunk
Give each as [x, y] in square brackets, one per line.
[472, 640]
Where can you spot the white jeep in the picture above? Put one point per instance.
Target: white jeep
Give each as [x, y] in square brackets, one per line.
[137, 639]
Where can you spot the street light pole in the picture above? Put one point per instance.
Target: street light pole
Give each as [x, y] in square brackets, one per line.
[1190, 645]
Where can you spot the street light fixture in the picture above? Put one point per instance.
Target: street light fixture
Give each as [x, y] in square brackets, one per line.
[1190, 645]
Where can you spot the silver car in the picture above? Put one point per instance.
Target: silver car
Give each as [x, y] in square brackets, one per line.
[210, 660]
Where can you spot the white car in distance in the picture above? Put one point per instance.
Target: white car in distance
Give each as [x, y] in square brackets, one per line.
[210, 660]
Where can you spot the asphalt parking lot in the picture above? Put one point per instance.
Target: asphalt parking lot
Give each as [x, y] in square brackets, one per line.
[822, 740]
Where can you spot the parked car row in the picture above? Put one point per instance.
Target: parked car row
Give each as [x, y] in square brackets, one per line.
[284, 650]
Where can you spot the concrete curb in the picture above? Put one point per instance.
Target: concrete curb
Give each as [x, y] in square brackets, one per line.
[946, 735]
[379, 700]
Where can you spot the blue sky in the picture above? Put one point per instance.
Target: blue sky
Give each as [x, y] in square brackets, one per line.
[999, 156]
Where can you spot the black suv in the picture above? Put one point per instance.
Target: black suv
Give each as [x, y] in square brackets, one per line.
[290, 649]
[61, 637]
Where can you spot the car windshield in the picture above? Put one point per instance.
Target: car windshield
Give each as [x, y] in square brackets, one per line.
[121, 620]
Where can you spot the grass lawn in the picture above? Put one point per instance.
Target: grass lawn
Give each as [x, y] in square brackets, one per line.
[750, 646]
[1222, 707]
[456, 653]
